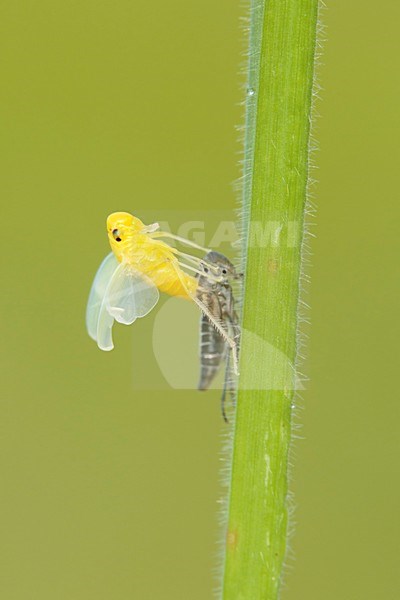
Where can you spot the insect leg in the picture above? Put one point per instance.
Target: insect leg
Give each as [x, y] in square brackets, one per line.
[166, 234]
[199, 262]
[230, 317]
[194, 270]
[210, 276]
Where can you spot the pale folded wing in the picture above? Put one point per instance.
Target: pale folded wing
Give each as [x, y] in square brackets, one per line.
[119, 292]
[98, 289]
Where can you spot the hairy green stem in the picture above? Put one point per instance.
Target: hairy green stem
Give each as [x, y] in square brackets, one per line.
[281, 63]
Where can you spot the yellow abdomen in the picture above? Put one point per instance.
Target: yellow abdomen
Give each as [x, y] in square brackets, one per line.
[156, 259]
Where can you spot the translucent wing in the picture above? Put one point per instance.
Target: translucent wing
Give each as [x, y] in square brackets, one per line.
[121, 293]
[130, 295]
[99, 287]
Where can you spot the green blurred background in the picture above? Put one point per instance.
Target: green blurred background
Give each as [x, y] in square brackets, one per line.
[109, 491]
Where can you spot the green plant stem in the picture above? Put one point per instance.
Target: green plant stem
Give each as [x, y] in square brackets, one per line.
[281, 63]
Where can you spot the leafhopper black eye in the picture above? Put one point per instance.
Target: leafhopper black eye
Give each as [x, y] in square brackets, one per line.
[115, 233]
